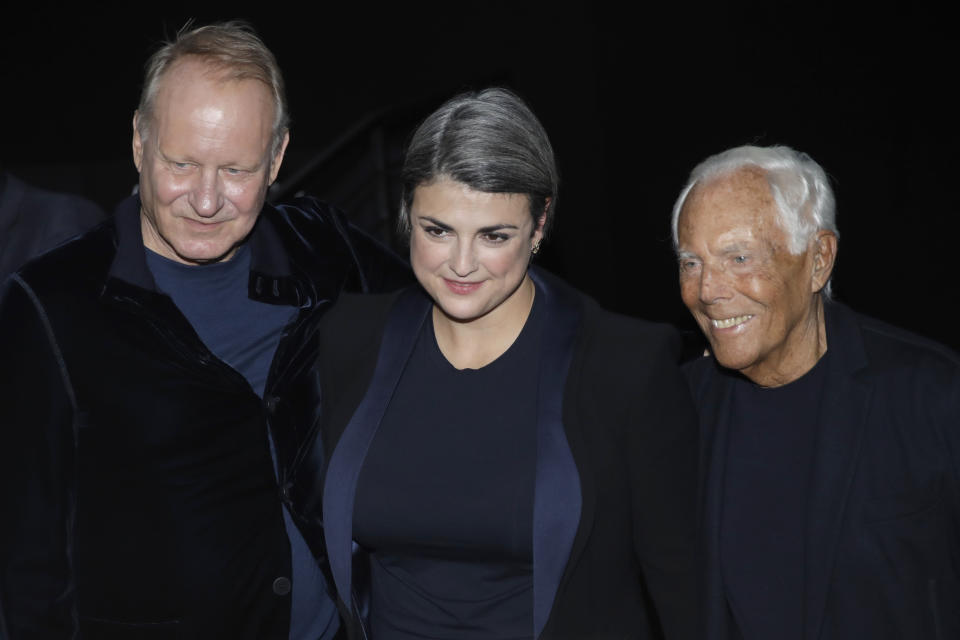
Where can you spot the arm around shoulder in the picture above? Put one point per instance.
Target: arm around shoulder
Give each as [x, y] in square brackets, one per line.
[378, 269]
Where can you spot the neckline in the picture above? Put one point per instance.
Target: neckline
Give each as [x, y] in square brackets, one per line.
[529, 325]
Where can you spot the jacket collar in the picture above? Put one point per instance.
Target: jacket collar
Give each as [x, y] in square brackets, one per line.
[558, 500]
[842, 419]
[840, 426]
[270, 267]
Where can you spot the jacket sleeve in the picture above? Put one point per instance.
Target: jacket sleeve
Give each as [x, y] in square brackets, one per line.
[375, 268]
[37, 474]
[382, 270]
[663, 449]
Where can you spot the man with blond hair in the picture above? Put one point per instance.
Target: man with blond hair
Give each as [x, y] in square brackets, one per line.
[145, 433]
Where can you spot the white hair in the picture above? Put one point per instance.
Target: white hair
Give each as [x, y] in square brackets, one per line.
[799, 186]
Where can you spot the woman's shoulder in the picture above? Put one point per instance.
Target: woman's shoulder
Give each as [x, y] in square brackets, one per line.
[608, 330]
[616, 327]
[610, 344]
[619, 344]
[356, 307]
[355, 320]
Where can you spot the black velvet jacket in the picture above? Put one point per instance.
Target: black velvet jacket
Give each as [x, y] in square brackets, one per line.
[136, 486]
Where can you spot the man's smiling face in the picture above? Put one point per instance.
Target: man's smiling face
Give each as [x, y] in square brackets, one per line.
[755, 301]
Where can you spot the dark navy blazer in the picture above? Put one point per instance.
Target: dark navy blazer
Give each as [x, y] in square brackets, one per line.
[882, 532]
[614, 500]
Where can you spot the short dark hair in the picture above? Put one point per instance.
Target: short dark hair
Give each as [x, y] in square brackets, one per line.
[488, 140]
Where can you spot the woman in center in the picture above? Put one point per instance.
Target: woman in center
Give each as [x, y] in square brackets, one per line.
[497, 457]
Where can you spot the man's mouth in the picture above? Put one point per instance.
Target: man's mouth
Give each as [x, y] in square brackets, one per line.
[730, 322]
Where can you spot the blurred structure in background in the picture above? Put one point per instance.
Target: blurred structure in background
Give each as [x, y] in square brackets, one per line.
[34, 220]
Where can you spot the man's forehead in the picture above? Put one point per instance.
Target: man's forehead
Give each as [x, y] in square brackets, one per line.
[191, 90]
[732, 208]
[748, 185]
[192, 73]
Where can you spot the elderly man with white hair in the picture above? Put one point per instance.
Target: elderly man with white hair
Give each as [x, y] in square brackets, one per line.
[831, 440]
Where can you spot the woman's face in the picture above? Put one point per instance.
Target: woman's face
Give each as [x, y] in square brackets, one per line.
[470, 249]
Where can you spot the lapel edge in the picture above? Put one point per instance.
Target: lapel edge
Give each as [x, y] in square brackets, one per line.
[558, 500]
[346, 460]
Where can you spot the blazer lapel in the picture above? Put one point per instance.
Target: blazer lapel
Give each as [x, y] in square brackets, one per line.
[557, 501]
[715, 402]
[843, 412]
[399, 337]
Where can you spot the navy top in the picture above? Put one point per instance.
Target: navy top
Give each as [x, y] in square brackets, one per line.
[769, 457]
[244, 334]
[444, 501]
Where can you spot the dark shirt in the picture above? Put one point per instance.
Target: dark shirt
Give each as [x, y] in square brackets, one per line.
[244, 334]
[445, 498]
[769, 457]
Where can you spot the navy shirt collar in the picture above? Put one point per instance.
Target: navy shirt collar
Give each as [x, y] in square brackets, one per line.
[270, 268]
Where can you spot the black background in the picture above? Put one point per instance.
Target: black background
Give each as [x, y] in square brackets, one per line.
[633, 96]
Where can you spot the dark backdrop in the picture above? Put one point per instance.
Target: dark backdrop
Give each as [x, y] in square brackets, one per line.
[632, 97]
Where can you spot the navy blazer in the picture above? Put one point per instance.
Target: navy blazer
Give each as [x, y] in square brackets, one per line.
[615, 484]
[882, 532]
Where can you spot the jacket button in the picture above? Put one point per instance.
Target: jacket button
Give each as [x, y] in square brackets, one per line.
[272, 402]
[281, 586]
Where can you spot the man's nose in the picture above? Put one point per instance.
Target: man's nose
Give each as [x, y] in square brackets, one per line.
[463, 262]
[207, 195]
[713, 285]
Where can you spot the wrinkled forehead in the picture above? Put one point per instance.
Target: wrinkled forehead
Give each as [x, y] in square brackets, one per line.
[737, 204]
[193, 79]
[747, 188]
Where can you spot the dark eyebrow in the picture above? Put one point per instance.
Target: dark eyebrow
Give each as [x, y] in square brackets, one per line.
[436, 222]
[490, 229]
